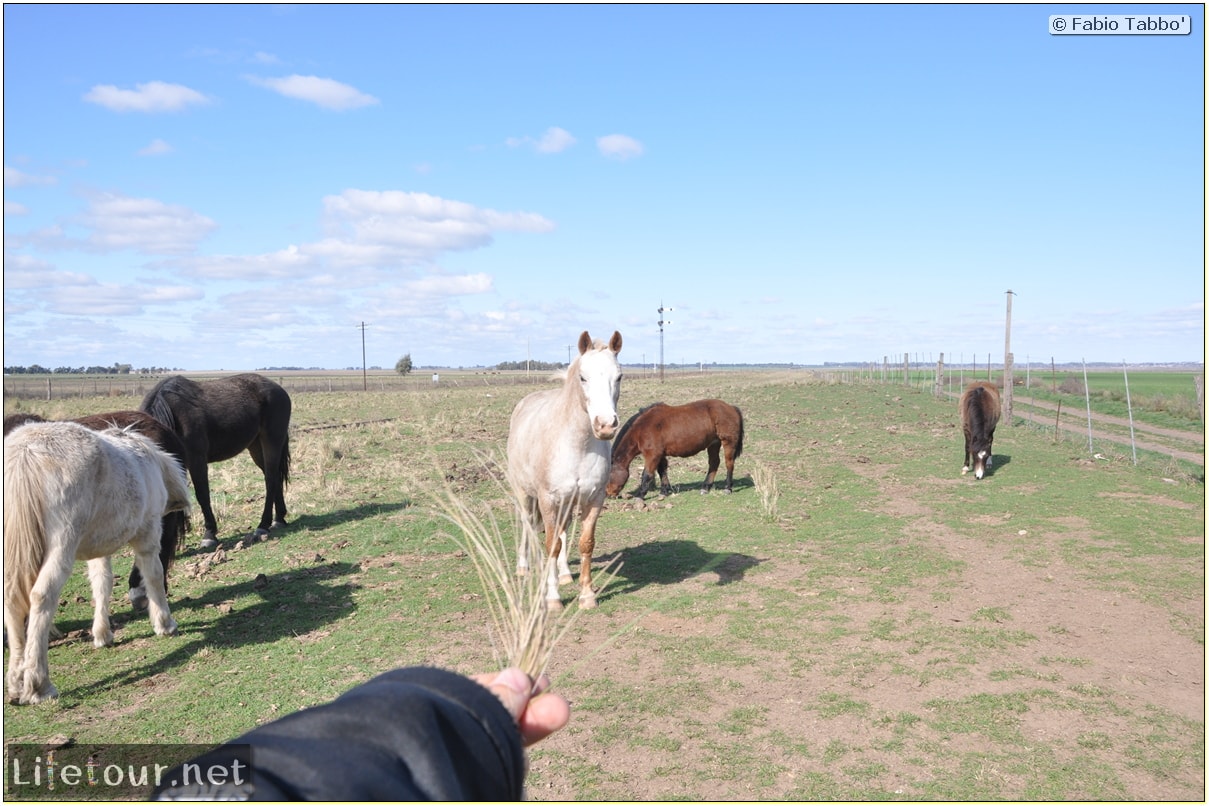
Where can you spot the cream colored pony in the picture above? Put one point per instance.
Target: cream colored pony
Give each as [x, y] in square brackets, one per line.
[71, 493]
[558, 461]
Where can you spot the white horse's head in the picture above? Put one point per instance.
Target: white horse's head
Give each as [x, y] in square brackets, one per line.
[600, 380]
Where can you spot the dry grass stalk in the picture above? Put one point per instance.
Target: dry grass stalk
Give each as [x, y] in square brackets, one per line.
[525, 631]
[770, 492]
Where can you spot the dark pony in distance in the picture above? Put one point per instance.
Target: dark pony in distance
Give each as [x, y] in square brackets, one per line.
[175, 523]
[72, 493]
[219, 419]
[659, 431]
[979, 407]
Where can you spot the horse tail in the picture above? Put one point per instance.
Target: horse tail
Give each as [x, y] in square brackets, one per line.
[172, 533]
[24, 516]
[739, 441]
[175, 480]
[155, 405]
[284, 465]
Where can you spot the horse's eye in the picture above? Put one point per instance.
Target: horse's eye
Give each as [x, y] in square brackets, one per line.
[620, 375]
[582, 379]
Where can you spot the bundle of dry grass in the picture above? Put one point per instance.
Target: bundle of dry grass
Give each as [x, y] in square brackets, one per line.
[525, 630]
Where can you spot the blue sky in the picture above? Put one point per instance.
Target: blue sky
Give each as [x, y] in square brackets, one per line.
[239, 187]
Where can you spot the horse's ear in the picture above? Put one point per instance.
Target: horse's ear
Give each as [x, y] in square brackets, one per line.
[615, 342]
[585, 341]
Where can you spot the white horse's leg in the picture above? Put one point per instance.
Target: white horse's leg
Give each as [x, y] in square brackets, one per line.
[100, 576]
[43, 600]
[147, 557]
[531, 524]
[15, 613]
[564, 568]
[553, 597]
[522, 551]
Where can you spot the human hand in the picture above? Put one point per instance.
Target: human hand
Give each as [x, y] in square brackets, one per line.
[537, 712]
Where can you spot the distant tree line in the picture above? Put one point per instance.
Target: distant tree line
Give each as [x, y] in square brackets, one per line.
[116, 369]
[540, 365]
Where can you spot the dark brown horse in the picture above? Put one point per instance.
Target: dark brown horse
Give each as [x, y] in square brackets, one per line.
[218, 420]
[979, 407]
[174, 524]
[659, 431]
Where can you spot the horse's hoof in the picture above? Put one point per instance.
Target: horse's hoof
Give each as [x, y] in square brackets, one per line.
[965, 470]
[554, 605]
[587, 601]
[208, 543]
[102, 641]
[35, 697]
[277, 525]
[260, 535]
[170, 630]
[138, 598]
[565, 579]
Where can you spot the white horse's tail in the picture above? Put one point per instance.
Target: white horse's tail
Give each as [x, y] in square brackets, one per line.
[24, 515]
[175, 481]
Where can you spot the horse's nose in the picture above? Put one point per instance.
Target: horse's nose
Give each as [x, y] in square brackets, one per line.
[605, 428]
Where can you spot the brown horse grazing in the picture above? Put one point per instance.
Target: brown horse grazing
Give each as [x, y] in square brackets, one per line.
[979, 407]
[659, 431]
[174, 524]
[558, 461]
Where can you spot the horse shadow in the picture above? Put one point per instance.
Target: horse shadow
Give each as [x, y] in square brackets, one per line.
[668, 562]
[737, 483]
[998, 461]
[302, 524]
[295, 602]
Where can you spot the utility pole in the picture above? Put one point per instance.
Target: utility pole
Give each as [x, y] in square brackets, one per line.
[662, 322]
[364, 382]
[1008, 362]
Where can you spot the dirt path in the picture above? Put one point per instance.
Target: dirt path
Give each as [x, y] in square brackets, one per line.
[1019, 409]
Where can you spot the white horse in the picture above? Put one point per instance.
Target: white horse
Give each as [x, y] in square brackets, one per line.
[558, 460]
[73, 493]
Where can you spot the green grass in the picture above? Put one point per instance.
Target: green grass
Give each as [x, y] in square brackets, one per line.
[848, 644]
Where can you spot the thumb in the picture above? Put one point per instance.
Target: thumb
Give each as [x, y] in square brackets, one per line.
[514, 689]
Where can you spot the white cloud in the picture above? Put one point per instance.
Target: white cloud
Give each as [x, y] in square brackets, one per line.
[619, 146]
[384, 227]
[13, 208]
[155, 148]
[25, 271]
[154, 96]
[443, 285]
[555, 140]
[552, 141]
[18, 179]
[323, 92]
[144, 225]
[284, 263]
[107, 299]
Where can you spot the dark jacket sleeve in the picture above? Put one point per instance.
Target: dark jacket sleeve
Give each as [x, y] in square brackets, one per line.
[410, 734]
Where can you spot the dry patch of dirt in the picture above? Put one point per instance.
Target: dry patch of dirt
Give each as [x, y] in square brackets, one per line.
[1074, 638]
